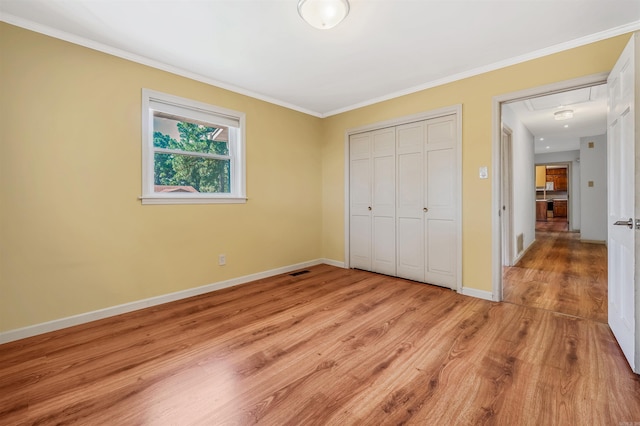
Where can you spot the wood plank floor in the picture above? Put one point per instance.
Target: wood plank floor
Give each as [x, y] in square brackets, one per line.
[561, 274]
[330, 347]
[553, 224]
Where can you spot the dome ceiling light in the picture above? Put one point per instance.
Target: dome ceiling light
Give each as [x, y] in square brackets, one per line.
[323, 14]
[563, 115]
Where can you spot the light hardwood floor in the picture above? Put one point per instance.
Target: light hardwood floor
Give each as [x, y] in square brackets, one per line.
[330, 347]
[561, 274]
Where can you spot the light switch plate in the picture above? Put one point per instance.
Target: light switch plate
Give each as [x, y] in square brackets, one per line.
[484, 173]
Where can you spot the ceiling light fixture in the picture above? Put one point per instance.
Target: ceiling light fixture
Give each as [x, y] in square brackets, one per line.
[563, 115]
[323, 14]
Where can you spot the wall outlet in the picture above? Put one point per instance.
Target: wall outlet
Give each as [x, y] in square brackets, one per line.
[222, 259]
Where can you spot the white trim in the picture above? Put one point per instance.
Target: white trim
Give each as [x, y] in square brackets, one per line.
[478, 294]
[192, 153]
[593, 241]
[347, 200]
[58, 324]
[186, 198]
[592, 38]
[496, 156]
[458, 108]
[426, 115]
[332, 262]
[81, 41]
[406, 119]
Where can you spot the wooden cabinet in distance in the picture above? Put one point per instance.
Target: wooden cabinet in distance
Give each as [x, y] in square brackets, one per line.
[558, 177]
[541, 210]
[559, 208]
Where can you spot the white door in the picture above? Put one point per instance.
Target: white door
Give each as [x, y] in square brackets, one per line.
[622, 150]
[384, 201]
[360, 177]
[506, 173]
[404, 201]
[427, 173]
[372, 201]
[441, 202]
[410, 193]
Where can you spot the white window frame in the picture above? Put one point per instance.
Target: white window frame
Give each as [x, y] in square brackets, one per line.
[187, 108]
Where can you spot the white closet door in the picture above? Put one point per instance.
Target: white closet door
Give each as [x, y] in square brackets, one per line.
[441, 202]
[410, 197]
[384, 201]
[404, 201]
[360, 184]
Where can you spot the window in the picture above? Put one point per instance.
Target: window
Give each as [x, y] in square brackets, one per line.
[192, 152]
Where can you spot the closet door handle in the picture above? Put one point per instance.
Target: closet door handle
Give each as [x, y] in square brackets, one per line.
[425, 209]
[369, 208]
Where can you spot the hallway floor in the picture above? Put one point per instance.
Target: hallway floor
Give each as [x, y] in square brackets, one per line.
[560, 273]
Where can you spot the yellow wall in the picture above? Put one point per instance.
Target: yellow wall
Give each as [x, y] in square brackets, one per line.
[475, 94]
[73, 236]
[541, 176]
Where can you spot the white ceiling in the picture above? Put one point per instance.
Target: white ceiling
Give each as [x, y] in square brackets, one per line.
[383, 49]
[589, 106]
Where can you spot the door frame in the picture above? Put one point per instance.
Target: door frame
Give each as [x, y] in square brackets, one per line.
[496, 160]
[506, 194]
[426, 115]
[570, 188]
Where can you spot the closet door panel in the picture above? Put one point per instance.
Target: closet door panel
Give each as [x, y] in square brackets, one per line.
[360, 242]
[439, 193]
[410, 248]
[384, 248]
[440, 252]
[410, 205]
[384, 202]
[360, 226]
[440, 180]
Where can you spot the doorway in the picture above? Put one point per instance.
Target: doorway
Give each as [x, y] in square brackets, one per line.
[538, 248]
[551, 268]
[553, 209]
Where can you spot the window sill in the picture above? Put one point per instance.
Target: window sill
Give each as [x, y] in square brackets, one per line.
[153, 199]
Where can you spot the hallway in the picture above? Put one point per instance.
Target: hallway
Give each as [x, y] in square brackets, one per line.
[560, 273]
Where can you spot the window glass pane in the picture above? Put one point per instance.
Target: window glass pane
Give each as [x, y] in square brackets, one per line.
[189, 135]
[185, 173]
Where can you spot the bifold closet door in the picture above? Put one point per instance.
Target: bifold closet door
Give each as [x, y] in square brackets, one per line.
[440, 227]
[372, 232]
[411, 204]
[426, 207]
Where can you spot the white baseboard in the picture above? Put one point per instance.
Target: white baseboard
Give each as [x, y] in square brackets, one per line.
[593, 241]
[332, 262]
[34, 330]
[480, 294]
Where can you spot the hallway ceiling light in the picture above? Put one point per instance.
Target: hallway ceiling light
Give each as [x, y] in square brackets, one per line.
[563, 115]
[323, 14]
